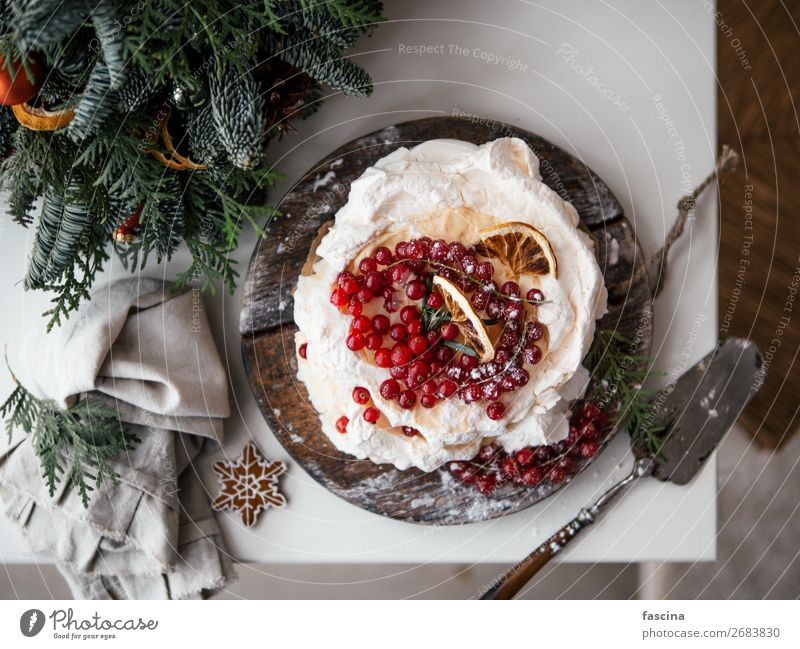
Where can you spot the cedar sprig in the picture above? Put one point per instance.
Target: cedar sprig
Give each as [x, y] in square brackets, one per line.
[76, 444]
[618, 373]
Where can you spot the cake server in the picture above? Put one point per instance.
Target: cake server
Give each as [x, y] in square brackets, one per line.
[698, 409]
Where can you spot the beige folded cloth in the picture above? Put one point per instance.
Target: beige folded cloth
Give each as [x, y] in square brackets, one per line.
[149, 353]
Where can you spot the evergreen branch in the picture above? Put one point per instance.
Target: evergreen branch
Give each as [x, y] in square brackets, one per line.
[618, 373]
[76, 445]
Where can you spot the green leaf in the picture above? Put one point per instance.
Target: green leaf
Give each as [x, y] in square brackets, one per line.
[461, 348]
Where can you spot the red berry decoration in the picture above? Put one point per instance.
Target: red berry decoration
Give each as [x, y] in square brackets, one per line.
[532, 476]
[486, 483]
[383, 357]
[383, 255]
[380, 323]
[398, 332]
[409, 313]
[341, 424]
[418, 344]
[390, 389]
[535, 295]
[407, 399]
[303, 350]
[410, 432]
[371, 415]
[435, 301]
[355, 342]
[361, 324]
[428, 401]
[374, 341]
[449, 331]
[495, 410]
[360, 395]
[15, 86]
[367, 265]
[401, 355]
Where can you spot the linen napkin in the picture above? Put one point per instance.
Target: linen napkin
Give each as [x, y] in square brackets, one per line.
[147, 352]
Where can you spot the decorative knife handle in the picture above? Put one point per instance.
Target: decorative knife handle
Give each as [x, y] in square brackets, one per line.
[510, 583]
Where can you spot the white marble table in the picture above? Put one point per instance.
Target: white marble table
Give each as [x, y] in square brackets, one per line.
[601, 79]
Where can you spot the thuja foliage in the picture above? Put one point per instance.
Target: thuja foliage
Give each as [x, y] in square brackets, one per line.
[221, 77]
[77, 444]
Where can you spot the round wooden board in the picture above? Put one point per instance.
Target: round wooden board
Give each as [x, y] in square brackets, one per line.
[267, 326]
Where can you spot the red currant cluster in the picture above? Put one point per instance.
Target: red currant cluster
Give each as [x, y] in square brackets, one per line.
[533, 465]
[424, 363]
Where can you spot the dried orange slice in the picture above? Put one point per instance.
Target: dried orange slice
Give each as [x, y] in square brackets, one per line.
[464, 317]
[521, 247]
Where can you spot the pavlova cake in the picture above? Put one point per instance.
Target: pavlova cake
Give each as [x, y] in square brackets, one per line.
[449, 306]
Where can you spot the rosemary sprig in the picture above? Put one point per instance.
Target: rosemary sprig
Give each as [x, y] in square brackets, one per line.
[619, 372]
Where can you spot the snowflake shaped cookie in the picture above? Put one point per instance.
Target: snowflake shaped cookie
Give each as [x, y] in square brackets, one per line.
[249, 484]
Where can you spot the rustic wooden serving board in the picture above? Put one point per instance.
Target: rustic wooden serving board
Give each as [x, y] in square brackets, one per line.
[267, 326]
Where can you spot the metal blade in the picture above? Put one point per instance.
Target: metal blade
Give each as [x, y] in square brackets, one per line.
[702, 406]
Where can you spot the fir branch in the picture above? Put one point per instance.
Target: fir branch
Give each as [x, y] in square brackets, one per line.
[618, 373]
[76, 445]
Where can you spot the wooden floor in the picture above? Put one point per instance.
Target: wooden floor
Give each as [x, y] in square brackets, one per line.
[759, 268]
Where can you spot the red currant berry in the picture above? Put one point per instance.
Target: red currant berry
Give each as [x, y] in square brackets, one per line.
[513, 311]
[495, 410]
[435, 301]
[415, 290]
[486, 483]
[380, 323]
[409, 313]
[532, 476]
[535, 295]
[415, 250]
[383, 357]
[458, 467]
[510, 467]
[430, 387]
[414, 327]
[532, 354]
[397, 332]
[367, 265]
[401, 355]
[407, 399]
[510, 289]
[360, 395]
[374, 282]
[303, 351]
[491, 390]
[457, 251]
[362, 324]
[418, 344]
[374, 342]
[590, 411]
[400, 249]
[390, 389]
[468, 362]
[445, 354]
[355, 342]
[354, 307]
[484, 270]
[382, 255]
[447, 388]
[371, 415]
[534, 331]
[400, 273]
[524, 456]
[338, 297]
[589, 449]
[349, 285]
[341, 424]
[364, 295]
[449, 331]
[556, 475]
[428, 401]
[408, 431]
[400, 373]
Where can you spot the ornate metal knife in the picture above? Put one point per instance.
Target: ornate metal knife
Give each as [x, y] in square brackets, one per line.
[698, 409]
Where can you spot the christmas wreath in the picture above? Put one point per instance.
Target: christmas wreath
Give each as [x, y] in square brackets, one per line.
[143, 123]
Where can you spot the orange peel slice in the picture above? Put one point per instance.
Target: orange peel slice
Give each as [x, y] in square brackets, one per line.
[521, 247]
[40, 119]
[465, 318]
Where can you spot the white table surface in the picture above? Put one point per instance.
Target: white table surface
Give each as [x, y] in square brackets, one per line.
[637, 49]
